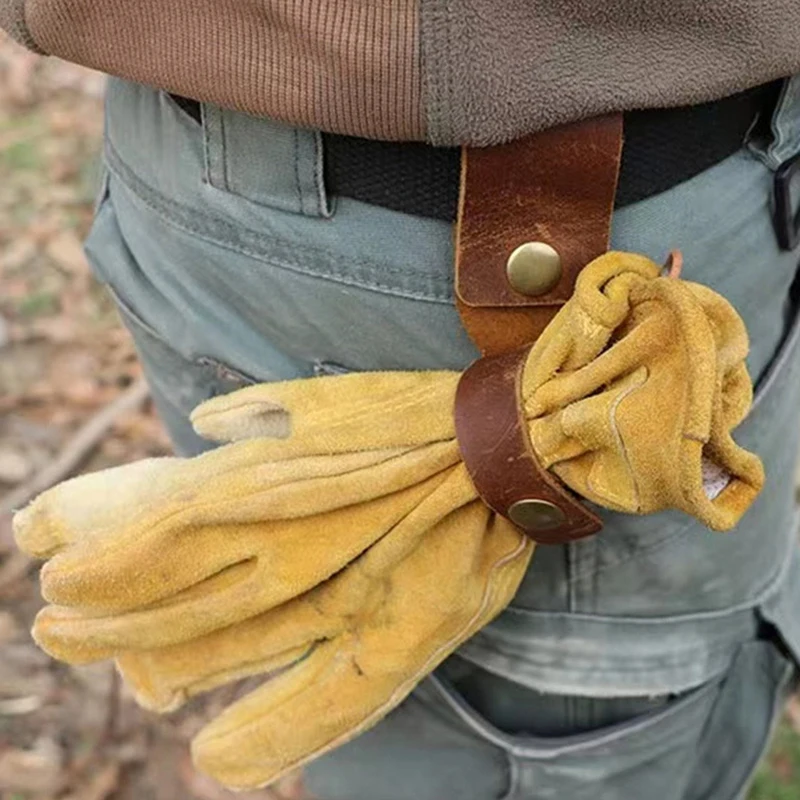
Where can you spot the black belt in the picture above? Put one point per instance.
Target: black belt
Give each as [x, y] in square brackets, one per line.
[662, 148]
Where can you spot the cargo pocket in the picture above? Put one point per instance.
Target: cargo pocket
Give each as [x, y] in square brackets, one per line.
[178, 381]
[703, 745]
[741, 723]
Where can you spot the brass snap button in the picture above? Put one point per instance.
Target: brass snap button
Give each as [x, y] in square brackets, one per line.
[536, 515]
[534, 268]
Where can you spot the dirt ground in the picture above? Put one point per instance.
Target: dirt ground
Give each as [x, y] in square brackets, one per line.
[71, 400]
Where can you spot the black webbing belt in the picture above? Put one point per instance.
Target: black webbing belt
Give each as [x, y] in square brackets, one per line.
[662, 148]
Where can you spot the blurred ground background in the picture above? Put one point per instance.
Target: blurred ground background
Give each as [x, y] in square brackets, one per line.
[71, 400]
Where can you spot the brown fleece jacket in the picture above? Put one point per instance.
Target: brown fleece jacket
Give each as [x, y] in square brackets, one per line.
[444, 71]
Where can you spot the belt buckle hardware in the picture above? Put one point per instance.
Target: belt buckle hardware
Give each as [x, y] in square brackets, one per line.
[787, 221]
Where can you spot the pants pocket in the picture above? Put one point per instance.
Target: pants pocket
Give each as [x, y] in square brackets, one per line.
[702, 745]
[178, 382]
[739, 728]
[648, 755]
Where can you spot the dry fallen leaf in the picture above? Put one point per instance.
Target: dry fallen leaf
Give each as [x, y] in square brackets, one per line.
[17, 254]
[35, 770]
[18, 706]
[19, 77]
[12, 570]
[291, 788]
[82, 392]
[61, 329]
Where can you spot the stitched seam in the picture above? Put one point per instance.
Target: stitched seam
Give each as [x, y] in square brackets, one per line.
[651, 725]
[206, 144]
[224, 151]
[640, 550]
[167, 213]
[778, 370]
[298, 187]
[514, 777]
[450, 104]
[164, 207]
[577, 666]
[319, 176]
[612, 420]
[761, 595]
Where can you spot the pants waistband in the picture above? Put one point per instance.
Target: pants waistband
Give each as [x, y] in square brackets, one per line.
[663, 147]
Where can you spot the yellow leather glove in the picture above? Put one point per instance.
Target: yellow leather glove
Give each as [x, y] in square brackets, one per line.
[632, 392]
[355, 551]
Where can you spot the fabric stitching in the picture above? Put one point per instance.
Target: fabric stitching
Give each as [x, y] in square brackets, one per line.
[437, 15]
[206, 144]
[319, 176]
[771, 585]
[514, 777]
[449, 104]
[298, 187]
[640, 550]
[158, 206]
[163, 207]
[224, 151]
[703, 664]
[630, 732]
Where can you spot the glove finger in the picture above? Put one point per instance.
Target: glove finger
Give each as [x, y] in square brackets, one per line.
[164, 678]
[197, 536]
[296, 555]
[464, 573]
[100, 505]
[87, 506]
[339, 413]
[107, 504]
[288, 721]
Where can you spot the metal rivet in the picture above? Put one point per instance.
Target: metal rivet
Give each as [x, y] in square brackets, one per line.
[536, 515]
[534, 268]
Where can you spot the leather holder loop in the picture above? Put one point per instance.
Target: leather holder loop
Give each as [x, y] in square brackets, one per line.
[493, 436]
[556, 187]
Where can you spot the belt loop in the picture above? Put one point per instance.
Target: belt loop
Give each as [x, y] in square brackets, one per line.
[784, 130]
[781, 153]
[265, 161]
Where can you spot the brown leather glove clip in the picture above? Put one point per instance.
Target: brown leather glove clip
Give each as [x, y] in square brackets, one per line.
[532, 214]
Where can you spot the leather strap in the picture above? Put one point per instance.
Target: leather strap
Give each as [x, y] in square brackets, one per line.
[493, 436]
[555, 187]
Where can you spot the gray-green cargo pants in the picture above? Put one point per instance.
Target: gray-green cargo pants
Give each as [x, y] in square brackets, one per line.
[647, 662]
